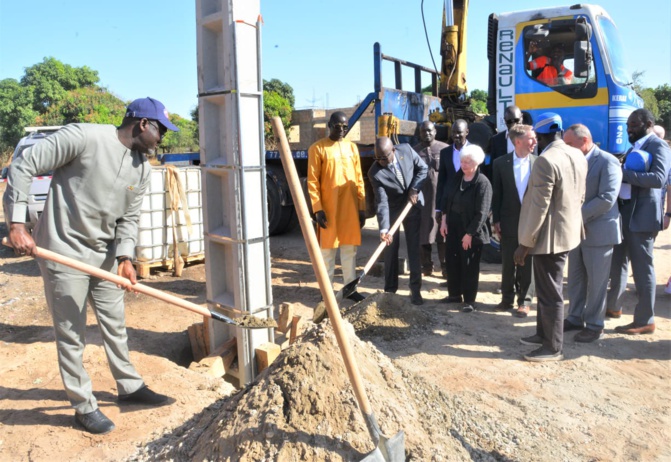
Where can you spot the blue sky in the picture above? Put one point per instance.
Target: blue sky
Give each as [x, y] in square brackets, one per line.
[322, 49]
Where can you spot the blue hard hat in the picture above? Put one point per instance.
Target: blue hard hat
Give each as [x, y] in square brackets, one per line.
[638, 161]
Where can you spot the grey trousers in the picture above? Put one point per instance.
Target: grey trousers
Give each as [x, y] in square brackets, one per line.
[587, 285]
[549, 278]
[67, 294]
[636, 248]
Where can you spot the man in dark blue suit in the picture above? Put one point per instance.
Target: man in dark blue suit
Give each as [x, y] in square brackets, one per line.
[397, 177]
[641, 208]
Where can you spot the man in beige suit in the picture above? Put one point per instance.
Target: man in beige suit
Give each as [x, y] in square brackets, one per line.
[550, 226]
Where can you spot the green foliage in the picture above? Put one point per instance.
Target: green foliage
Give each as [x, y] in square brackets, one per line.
[278, 100]
[89, 105]
[16, 112]
[479, 102]
[283, 89]
[185, 139]
[54, 93]
[52, 79]
[649, 101]
[663, 96]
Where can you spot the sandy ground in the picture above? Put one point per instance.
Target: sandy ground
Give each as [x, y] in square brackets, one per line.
[454, 382]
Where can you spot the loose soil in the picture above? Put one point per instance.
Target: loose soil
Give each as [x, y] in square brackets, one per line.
[454, 383]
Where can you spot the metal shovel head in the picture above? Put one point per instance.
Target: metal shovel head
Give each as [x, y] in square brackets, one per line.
[388, 449]
[348, 289]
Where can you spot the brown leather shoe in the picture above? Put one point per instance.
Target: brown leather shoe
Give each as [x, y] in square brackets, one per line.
[522, 311]
[613, 314]
[635, 329]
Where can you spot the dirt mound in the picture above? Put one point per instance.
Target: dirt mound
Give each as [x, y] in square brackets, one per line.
[303, 408]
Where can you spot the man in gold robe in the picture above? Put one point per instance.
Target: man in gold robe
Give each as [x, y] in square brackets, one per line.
[336, 189]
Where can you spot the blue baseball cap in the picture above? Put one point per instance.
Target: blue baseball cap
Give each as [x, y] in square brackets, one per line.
[548, 122]
[150, 108]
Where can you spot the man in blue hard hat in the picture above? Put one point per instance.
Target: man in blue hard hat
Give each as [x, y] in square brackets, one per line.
[550, 225]
[100, 176]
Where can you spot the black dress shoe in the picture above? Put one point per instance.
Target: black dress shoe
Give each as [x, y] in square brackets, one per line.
[144, 396]
[568, 326]
[532, 340]
[356, 297]
[503, 306]
[95, 422]
[416, 299]
[588, 335]
[451, 299]
[543, 354]
[427, 271]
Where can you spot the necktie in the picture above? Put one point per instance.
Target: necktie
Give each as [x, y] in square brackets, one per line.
[399, 175]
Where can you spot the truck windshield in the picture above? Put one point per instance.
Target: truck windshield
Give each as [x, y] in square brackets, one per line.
[614, 51]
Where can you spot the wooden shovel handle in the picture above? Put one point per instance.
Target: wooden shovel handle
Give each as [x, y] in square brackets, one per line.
[123, 282]
[320, 268]
[392, 230]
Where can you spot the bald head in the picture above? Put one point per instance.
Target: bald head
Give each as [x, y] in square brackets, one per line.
[512, 115]
[579, 137]
[384, 151]
[338, 126]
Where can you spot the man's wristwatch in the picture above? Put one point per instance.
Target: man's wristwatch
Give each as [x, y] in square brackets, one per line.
[667, 214]
[122, 259]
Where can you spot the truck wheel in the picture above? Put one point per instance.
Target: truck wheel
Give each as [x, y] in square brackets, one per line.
[279, 216]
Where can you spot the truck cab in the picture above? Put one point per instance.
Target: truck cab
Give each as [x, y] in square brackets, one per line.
[591, 85]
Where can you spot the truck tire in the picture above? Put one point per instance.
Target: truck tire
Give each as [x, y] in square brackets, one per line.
[279, 216]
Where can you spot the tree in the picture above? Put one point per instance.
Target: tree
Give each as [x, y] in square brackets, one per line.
[283, 89]
[479, 102]
[183, 140]
[663, 96]
[88, 105]
[52, 79]
[278, 100]
[16, 112]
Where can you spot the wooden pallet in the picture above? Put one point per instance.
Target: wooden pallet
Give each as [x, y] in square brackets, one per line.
[143, 268]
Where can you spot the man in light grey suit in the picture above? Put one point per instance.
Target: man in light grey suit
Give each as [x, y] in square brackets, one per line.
[641, 208]
[101, 173]
[550, 226]
[511, 177]
[587, 280]
[397, 177]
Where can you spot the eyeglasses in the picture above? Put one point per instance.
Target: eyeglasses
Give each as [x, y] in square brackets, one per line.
[159, 128]
[512, 121]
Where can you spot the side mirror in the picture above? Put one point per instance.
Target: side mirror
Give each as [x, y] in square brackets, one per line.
[582, 51]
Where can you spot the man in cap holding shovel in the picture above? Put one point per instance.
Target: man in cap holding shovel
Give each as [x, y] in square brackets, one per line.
[100, 176]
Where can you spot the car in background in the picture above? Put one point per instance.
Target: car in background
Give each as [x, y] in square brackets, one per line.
[39, 188]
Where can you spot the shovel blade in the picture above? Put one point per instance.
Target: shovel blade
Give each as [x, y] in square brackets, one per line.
[348, 289]
[388, 449]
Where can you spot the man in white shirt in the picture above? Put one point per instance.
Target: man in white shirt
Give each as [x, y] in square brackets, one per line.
[510, 179]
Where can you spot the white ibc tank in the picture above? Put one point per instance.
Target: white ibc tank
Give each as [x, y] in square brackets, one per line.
[155, 231]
